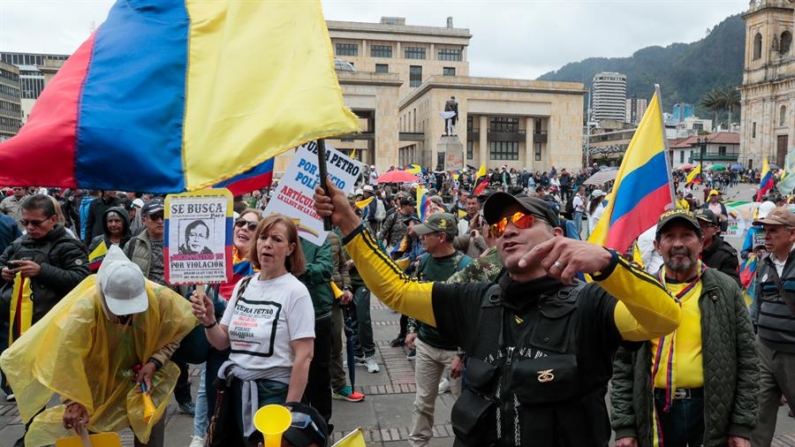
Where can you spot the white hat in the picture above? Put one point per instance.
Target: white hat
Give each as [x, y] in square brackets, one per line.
[139, 203]
[597, 193]
[122, 283]
[358, 192]
[367, 188]
[765, 208]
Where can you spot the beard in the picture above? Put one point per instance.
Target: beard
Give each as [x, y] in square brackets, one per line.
[679, 266]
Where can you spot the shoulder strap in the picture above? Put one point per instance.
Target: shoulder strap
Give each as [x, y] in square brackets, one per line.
[462, 261]
[788, 300]
[243, 286]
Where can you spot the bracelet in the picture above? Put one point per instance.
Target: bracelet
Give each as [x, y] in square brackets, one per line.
[156, 362]
[210, 326]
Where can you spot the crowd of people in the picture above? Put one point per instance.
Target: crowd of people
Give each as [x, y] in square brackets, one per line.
[494, 306]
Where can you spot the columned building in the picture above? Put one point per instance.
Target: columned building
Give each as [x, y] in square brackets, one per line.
[768, 90]
[10, 102]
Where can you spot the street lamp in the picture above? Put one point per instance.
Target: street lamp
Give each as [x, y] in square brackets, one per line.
[702, 142]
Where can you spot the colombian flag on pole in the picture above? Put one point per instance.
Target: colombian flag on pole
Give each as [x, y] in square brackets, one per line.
[423, 204]
[693, 174]
[766, 180]
[642, 189]
[175, 95]
[481, 180]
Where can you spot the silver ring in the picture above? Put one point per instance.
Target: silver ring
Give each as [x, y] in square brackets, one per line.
[558, 265]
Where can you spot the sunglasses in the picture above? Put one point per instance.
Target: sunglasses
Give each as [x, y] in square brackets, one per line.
[520, 220]
[34, 222]
[156, 217]
[303, 420]
[240, 223]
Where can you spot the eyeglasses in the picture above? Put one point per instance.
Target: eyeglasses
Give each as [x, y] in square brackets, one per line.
[156, 217]
[303, 420]
[249, 224]
[521, 220]
[33, 222]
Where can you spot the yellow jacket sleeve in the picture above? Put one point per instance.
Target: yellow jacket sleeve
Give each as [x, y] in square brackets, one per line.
[645, 310]
[387, 281]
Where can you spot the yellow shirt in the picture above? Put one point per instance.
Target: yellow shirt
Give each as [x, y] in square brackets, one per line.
[683, 204]
[688, 366]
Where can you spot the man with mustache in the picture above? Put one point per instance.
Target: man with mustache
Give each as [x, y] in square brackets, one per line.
[699, 383]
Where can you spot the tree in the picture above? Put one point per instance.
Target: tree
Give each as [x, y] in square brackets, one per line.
[731, 101]
[713, 101]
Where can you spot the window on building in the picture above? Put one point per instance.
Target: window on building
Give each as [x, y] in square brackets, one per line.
[415, 53]
[722, 150]
[381, 68]
[415, 76]
[538, 125]
[470, 150]
[538, 151]
[450, 54]
[786, 43]
[504, 124]
[681, 156]
[347, 49]
[782, 115]
[698, 126]
[470, 123]
[448, 71]
[753, 130]
[381, 51]
[757, 46]
[504, 150]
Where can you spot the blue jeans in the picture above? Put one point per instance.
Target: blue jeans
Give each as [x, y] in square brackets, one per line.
[268, 392]
[578, 222]
[201, 420]
[683, 424]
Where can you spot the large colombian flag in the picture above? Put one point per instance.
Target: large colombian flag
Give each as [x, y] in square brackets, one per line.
[765, 181]
[642, 190]
[175, 95]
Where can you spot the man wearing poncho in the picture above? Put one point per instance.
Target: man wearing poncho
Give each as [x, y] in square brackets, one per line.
[85, 349]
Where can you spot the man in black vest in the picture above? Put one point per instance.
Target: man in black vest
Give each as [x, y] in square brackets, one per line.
[540, 349]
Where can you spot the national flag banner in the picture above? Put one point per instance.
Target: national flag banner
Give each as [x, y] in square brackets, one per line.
[414, 169]
[642, 189]
[787, 183]
[179, 95]
[423, 204]
[765, 181]
[363, 203]
[352, 439]
[693, 174]
[96, 257]
[481, 180]
[353, 154]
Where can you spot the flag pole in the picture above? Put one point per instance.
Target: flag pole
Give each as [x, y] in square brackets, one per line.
[323, 173]
[666, 150]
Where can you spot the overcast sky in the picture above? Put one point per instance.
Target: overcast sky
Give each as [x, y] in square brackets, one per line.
[514, 39]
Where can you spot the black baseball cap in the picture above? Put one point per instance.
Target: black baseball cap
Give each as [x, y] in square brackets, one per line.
[678, 215]
[499, 201]
[153, 206]
[707, 216]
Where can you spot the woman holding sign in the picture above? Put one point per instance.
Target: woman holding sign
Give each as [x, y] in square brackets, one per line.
[269, 325]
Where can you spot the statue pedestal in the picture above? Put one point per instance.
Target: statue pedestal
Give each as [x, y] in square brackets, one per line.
[451, 150]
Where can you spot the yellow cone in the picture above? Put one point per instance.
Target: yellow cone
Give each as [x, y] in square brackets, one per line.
[272, 421]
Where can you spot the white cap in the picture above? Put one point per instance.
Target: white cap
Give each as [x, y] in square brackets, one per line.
[122, 284]
[597, 193]
[358, 192]
[367, 188]
[765, 208]
[139, 203]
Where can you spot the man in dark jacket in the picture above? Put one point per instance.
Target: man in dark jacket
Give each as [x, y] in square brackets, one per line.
[715, 252]
[708, 366]
[47, 261]
[95, 226]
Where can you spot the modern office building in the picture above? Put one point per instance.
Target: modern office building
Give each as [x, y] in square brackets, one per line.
[635, 109]
[35, 71]
[609, 96]
[10, 101]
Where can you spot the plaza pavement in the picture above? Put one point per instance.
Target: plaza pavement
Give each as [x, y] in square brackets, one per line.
[385, 415]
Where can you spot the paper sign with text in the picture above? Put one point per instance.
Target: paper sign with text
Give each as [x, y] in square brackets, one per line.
[293, 197]
[198, 237]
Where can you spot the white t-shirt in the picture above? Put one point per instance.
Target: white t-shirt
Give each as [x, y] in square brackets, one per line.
[577, 203]
[264, 321]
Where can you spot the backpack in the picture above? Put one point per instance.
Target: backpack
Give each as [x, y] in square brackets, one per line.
[568, 210]
[380, 210]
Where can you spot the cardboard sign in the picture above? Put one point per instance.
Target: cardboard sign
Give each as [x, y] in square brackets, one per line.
[293, 197]
[198, 242]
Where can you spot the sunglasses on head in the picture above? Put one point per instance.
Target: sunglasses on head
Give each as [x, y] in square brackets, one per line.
[243, 222]
[520, 220]
[33, 222]
[303, 420]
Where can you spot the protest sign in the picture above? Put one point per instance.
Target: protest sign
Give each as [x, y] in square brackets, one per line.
[293, 196]
[198, 237]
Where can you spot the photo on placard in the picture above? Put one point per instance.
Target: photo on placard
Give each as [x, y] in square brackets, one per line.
[194, 237]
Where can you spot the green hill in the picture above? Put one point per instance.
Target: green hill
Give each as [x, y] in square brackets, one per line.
[685, 72]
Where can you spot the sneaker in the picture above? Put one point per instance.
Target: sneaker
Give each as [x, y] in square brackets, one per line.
[444, 386]
[197, 441]
[11, 398]
[347, 393]
[188, 408]
[412, 354]
[398, 342]
[372, 366]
